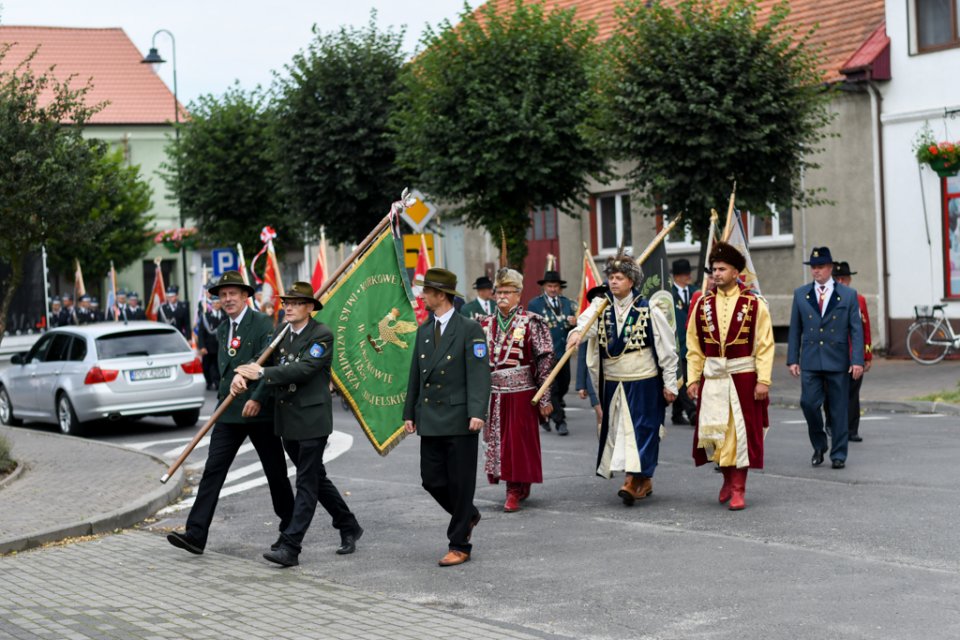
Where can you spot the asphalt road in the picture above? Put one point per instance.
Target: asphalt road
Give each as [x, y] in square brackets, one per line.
[864, 552]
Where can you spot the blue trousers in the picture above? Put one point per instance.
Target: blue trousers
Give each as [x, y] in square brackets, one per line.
[834, 386]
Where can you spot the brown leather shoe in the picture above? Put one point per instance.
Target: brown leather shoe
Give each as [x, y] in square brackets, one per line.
[642, 487]
[454, 557]
[626, 492]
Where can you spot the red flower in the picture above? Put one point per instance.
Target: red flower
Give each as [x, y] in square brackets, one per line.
[933, 149]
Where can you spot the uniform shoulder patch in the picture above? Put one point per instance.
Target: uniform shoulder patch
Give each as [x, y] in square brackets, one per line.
[480, 349]
[317, 350]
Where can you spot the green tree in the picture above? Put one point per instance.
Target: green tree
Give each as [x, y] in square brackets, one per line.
[702, 94]
[335, 159]
[227, 181]
[119, 228]
[494, 116]
[46, 169]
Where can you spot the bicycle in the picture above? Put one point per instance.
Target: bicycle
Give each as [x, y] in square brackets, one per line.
[931, 337]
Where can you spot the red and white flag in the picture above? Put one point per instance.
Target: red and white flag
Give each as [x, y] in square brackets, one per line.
[320, 268]
[271, 280]
[157, 294]
[423, 264]
[591, 279]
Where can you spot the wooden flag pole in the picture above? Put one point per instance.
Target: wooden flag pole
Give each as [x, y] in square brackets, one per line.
[711, 236]
[728, 225]
[600, 308]
[220, 410]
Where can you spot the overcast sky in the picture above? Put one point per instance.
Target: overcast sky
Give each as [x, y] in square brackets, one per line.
[219, 41]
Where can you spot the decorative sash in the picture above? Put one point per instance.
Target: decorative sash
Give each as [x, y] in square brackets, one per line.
[719, 400]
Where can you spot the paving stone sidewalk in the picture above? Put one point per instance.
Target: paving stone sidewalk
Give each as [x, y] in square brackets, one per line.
[134, 585]
[72, 487]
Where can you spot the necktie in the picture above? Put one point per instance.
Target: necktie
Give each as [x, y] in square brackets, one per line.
[685, 294]
[436, 332]
[823, 297]
[233, 330]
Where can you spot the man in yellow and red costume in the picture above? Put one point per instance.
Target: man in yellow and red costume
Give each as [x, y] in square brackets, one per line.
[730, 364]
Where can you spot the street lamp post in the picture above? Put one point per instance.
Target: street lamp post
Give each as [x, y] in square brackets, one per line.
[153, 58]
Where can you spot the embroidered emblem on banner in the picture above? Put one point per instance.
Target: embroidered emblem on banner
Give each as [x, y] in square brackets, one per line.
[317, 350]
[480, 350]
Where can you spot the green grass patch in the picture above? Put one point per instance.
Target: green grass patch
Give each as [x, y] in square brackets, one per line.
[7, 463]
[951, 397]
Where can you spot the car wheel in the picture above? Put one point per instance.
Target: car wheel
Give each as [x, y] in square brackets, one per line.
[67, 417]
[6, 410]
[186, 418]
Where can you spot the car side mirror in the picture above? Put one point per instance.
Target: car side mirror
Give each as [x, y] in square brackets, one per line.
[18, 358]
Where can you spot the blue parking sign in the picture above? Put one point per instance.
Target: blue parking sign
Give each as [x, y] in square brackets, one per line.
[224, 260]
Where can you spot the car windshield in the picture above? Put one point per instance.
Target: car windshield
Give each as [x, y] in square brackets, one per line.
[153, 342]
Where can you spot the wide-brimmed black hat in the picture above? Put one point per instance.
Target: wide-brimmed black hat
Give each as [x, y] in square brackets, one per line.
[600, 290]
[552, 276]
[819, 256]
[680, 267]
[230, 279]
[441, 280]
[302, 291]
[842, 269]
[483, 282]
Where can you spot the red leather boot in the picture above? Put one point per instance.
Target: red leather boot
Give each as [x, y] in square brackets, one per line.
[524, 491]
[513, 497]
[726, 491]
[739, 480]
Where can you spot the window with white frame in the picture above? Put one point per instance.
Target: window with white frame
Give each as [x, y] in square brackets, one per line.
[935, 25]
[776, 228]
[613, 222]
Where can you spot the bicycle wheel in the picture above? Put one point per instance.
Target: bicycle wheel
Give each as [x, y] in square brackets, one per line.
[927, 341]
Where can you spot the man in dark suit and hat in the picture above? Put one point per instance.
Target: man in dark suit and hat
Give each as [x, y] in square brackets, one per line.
[558, 311]
[448, 397]
[303, 417]
[242, 335]
[174, 312]
[682, 292]
[825, 350]
[484, 304]
[134, 310]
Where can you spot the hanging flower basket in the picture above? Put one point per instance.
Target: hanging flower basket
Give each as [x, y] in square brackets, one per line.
[943, 157]
[175, 239]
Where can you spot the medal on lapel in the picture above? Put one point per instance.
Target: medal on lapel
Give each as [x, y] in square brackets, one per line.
[234, 345]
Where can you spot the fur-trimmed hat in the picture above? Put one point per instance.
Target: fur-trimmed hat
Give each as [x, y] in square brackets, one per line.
[625, 264]
[723, 252]
[509, 278]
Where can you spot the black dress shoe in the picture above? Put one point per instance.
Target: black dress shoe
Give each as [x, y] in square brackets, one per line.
[282, 556]
[855, 438]
[545, 425]
[562, 429]
[182, 541]
[276, 545]
[679, 420]
[817, 458]
[348, 542]
[839, 464]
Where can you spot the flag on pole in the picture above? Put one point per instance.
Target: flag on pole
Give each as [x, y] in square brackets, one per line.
[423, 264]
[369, 309]
[738, 240]
[157, 293]
[271, 280]
[591, 279]
[242, 268]
[111, 305]
[78, 288]
[320, 268]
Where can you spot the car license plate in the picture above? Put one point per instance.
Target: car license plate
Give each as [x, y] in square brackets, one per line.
[150, 374]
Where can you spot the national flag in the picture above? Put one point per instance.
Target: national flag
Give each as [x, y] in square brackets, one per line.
[423, 264]
[271, 280]
[370, 312]
[738, 240]
[158, 293]
[320, 268]
[591, 279]
[78, 288]
[111, 305]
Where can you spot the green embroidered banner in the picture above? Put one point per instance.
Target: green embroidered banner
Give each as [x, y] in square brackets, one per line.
[370, 314]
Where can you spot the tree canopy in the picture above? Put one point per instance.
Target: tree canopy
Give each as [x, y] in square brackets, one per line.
[335, 160]
[494, 116]
[701, 94]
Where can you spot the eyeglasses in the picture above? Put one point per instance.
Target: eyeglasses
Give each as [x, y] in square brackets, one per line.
[500, 293]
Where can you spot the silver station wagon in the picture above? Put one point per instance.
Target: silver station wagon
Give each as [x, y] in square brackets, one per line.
[76, 375]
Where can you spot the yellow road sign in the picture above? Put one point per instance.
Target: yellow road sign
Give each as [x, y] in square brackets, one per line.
[419, 213]
[411, 249]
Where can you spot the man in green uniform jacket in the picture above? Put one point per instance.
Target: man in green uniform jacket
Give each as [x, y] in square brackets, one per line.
[448, 396]
[303, 417]
[243, 335]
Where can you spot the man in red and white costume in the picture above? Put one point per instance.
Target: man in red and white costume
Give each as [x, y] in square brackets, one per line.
[729, 365]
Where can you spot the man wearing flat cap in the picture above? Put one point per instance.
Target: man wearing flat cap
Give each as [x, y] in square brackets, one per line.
[240, 337]
[484, 304]
[730, 364]
[448, 396]
[175, 313]
[825, 349]
[843, 275]
[558, 311]
[303, 417]
[682, 292]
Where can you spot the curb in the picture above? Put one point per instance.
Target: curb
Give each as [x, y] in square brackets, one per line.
[13, 475]
[884, 406]
[125, 516]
